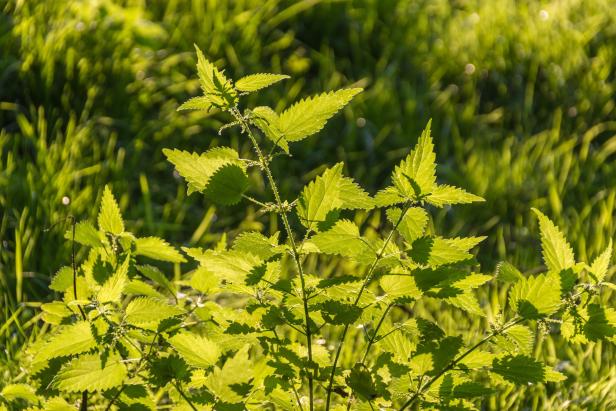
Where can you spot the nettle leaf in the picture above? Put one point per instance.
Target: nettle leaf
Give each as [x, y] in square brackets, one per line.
[517, 339]
[147, 312]
[415, 176]
[258, 244]
[437, 251]
[342, 239]
[58, 404]
[328, 192]
[600, 265]
[506, 272]
[600, 323]
[230, 382]
[557, 252]
[519, 369]
[218, 173]
[92, 372]
[361, 382]
[109, 217]
[157, 249]
[412, 225]
[268, 121]
[445, 195]
[216, 87]
[111, 290]
[70, 340]
[400, 287]
[85, 234]
[309, 115]
[536, 297]
[62, 280]
[197, 350]
[338, 313]
[196, 103]
[230, 266]
[12, 392]
[254, 82]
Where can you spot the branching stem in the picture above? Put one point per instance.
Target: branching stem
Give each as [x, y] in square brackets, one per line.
[285, 221]
[456, 361]
[367, 280]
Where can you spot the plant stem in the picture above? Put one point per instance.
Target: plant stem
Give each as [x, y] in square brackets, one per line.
[177, 387]
[287, 226]
[453, 363]
[367, 280]
[371, 340]
[84, 395]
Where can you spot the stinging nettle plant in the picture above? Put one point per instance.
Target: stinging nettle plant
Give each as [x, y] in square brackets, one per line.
[266, 323]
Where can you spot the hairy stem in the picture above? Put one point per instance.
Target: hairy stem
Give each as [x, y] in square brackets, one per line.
[367, 280]
[285, 221]
[456, 361]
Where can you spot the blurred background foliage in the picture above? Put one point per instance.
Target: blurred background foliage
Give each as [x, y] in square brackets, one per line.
[521, 94]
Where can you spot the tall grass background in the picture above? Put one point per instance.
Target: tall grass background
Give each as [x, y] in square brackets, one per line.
[521, 93]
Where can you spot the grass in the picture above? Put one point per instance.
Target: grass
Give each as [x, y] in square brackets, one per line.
[521, 94]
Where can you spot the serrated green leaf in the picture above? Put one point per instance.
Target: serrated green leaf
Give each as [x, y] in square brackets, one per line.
[536, 297]
[517, 339]
[224, 382]
[477, 359]
[137, 287]
[328, 192]
[552, 375]
[361, 382]
[157, 277]
[112, 290]
[309, 115]
[508, 273]
[85, 234]
[70, 340]
[158, 249]
[216, 87]
[466, 301]
[197, 350]
[415, 176]
[254, 82]
[437, 251]
[196, 103]
[387, 197]
[147, 312]
[557, 252]
[400, 287]
[268, 121]
[519, 369]
[231, 266]
[342, 239]
[338, 313]
[91, 372]
[62, 280]
[58, 404]
[109, 217]
[600, 323]
[258, 244]
[444, 195]
[218, 173]
[13, 392]
[412, 225]
[601, 264]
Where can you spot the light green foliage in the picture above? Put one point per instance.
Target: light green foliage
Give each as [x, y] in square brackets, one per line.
[218, 173]
[158, 249]
[109, 218]
[198, 351]
[328, 193]
[91, 372]
[254, 82]
[265, 321]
